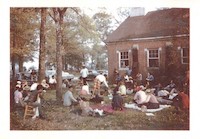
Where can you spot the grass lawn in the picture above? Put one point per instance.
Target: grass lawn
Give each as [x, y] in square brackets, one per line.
[62, 118]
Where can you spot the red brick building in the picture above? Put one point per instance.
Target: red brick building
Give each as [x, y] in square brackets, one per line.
[157, 42]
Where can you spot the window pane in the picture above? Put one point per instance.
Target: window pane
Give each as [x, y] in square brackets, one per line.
[153, 53]
[185, 52]
[185, 60]
[153, 63]
[124, 63]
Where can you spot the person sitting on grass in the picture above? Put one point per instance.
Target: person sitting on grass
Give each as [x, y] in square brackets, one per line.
[151, 101]
[84, 93]
[117, 101]
[68, 98]
[181, 101]
[52, 82]
[122, 88]
[140, 96]
[44, 84]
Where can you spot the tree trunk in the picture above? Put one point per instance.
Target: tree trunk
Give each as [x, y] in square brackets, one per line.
[21, 61]
[42, 46]
[58, 18]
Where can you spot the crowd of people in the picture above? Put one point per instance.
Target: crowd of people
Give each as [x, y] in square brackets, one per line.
[148, 96]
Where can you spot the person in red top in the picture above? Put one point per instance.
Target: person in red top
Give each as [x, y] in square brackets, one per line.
[181, 101]
[185, 100]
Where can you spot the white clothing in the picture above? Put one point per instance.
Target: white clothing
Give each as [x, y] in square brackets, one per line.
[163, 93]
[140, 97]
[102, 78]
[33, 86]
[17, 96]
[52, 80]
[84, 72]
[126, 78]
[122, 89]
[86, 88]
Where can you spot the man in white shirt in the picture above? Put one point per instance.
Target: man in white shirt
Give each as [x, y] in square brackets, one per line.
[98, 81]
[140, 97]
[84, 73]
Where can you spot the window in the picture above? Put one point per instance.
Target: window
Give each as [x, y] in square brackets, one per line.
[124, 59]
[185, 55]
[153, 58]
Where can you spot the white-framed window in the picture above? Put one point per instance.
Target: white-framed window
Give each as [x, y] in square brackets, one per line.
[185, 55]
[123, 59]
[153, 58]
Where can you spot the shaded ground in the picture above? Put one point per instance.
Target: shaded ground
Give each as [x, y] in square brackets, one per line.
[60, 118]
[64, 118]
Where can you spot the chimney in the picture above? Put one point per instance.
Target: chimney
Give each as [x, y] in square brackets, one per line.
[137, 11]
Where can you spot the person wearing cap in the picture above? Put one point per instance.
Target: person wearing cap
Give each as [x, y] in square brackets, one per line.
[19, 83]
[68, 98]
[84, 73]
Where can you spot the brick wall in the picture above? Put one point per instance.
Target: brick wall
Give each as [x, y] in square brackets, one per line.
[113, 59]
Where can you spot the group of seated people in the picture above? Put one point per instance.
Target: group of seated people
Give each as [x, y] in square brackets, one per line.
[149, 96]
[144, 96]
[32, 95]
[152, 96]
[25, 95]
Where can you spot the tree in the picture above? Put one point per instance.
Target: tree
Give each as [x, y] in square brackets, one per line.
[42, 49]
[103, 22]
[22, 36]
[58, 17]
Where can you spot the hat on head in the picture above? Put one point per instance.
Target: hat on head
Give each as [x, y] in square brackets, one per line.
[148, 91]
[142, 87]
[18, 85]
[70, 86]
[43, 81]
[27, 88]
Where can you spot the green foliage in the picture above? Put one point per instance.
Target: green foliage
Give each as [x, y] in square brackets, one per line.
[23, 32]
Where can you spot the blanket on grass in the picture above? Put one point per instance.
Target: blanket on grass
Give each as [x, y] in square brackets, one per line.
[134, 106]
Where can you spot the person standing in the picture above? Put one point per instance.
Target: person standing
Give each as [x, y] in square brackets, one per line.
[98, 81]
[84, 73]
